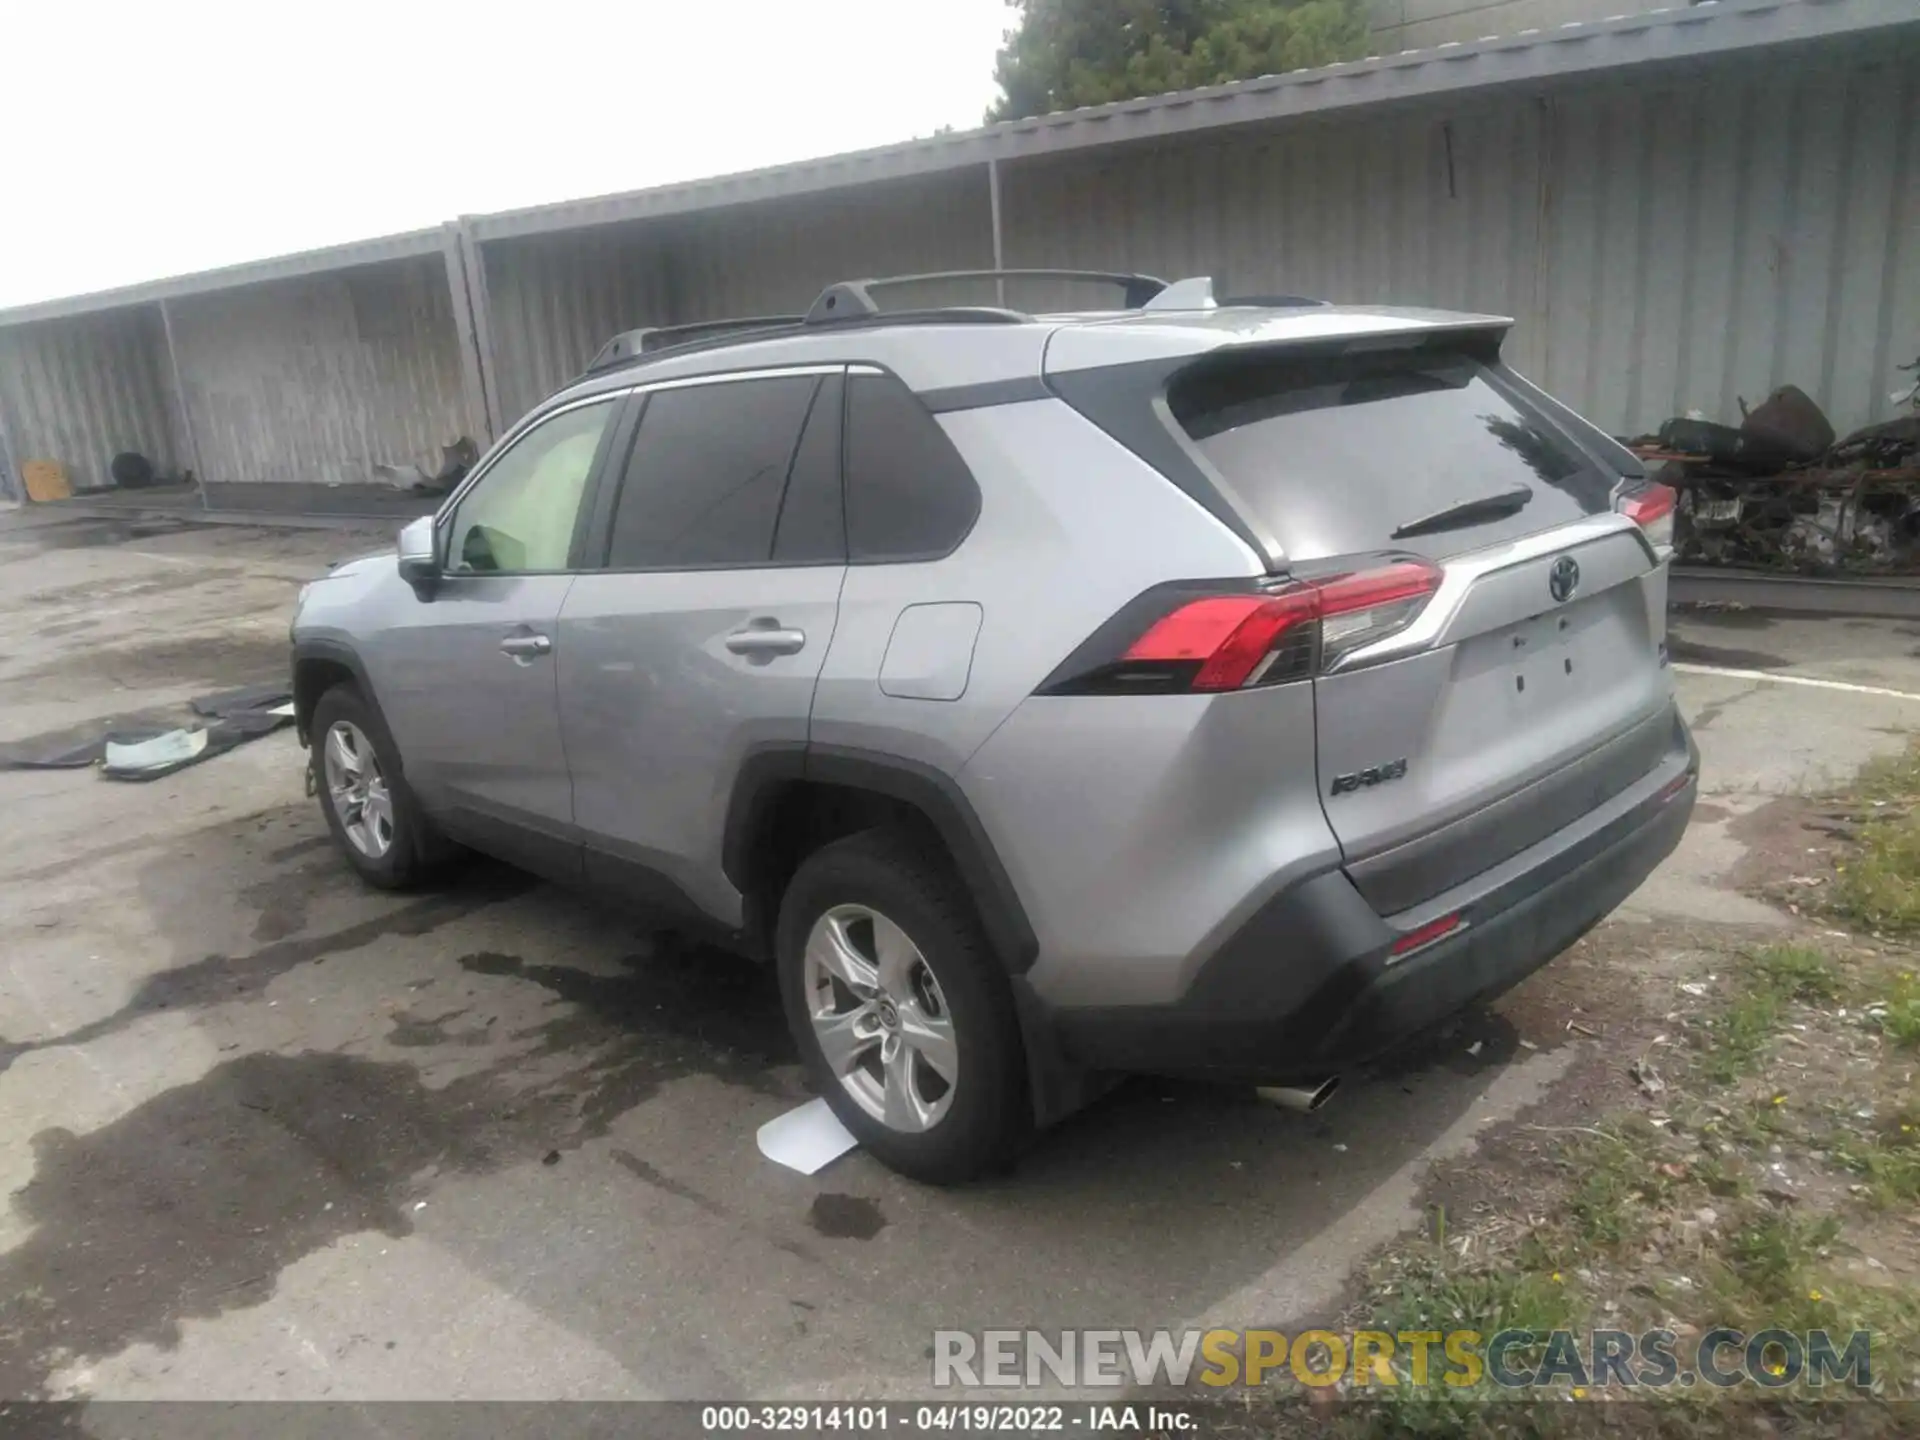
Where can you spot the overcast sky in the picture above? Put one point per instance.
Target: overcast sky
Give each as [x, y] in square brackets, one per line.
[145, 140]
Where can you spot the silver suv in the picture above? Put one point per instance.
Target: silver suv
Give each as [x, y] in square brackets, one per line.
[1221, 689]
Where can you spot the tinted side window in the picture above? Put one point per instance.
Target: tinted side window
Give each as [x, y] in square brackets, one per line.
[909, 494]
[519, 516]
[812, 526]
[704, 478]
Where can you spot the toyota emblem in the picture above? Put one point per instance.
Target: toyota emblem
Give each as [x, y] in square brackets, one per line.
[1564, 578]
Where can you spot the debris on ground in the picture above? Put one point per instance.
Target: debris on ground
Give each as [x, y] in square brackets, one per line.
[1646, 1077]
[149, 744]
[1779, 492]
[455, 461]
[807, 1138]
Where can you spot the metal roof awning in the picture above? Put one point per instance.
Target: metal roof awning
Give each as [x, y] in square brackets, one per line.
[405, 246]
[1718, 27]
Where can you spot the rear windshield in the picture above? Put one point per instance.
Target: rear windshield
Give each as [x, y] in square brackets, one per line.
[1335, 453]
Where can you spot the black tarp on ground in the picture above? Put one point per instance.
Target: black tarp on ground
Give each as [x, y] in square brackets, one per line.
[237, 715]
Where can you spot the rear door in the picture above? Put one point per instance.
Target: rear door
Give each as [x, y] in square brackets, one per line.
[1533, 686]
[720, 550]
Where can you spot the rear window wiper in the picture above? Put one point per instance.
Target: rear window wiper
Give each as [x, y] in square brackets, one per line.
[1468, 512]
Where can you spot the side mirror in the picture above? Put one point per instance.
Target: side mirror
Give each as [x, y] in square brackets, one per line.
[419, 557]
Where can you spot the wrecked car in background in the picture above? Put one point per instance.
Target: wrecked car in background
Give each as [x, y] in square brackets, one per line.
[1780, 492]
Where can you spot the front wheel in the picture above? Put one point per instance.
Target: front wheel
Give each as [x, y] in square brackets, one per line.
[369, 810]
[902, 1016]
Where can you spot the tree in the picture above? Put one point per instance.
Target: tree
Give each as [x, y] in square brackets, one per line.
[1067, 53]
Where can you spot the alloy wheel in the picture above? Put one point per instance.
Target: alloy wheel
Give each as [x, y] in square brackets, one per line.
[880, 1017]
[358, 790]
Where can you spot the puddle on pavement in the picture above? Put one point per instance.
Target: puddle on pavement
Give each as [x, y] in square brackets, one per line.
[174, 890]
[84, 532]
[674, 1009]
[1694, 653]
[193, 1202]
[424, 1032]
[846, 1217]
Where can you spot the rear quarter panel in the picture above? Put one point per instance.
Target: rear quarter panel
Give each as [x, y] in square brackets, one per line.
[1071, 527]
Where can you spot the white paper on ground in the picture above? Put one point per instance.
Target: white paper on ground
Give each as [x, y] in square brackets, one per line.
[286, 709]
[807, 1139]
[171, 748]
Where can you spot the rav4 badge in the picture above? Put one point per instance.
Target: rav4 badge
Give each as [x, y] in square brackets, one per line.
[1372, 775]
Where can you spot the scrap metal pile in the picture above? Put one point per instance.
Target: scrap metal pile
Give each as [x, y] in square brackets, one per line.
[1778, 492]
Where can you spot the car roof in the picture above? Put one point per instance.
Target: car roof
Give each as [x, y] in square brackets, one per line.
[958, 348]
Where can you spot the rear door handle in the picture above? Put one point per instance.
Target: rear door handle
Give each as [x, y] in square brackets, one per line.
[523, 647]
[755, 641]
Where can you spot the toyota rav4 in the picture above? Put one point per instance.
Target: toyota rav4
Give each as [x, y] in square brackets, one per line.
[1208, 688]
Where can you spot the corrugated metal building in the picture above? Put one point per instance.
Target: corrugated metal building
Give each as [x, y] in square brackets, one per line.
[1665, 243]
[1421, 24]
[282, 384]
[1679, 208]
[83, 388]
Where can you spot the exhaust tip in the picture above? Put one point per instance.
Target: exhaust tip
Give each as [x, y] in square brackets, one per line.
[1304, 1098]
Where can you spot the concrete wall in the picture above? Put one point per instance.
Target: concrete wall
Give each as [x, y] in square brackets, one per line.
[316, 381]
[81, 390]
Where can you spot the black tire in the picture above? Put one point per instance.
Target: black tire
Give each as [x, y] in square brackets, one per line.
[131, 470]
[892, 872]
[418, 851]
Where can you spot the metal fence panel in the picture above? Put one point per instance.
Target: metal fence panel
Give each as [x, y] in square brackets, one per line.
[777, 256]
[80, 390]
[1667, 243]
[320, 380]
[556, 299]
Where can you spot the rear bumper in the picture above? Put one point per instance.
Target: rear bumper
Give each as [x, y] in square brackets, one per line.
[1305, 988]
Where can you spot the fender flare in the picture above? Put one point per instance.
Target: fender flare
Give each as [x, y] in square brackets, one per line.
[336, 652]
[931, 792]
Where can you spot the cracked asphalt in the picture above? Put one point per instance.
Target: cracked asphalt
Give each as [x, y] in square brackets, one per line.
[265, 1134]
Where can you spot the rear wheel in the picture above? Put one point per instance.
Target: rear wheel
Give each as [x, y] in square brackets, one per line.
[902, 1017]
[373, 816]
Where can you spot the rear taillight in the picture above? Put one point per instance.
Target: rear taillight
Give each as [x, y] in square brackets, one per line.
[1651, 508]
[1256, 637]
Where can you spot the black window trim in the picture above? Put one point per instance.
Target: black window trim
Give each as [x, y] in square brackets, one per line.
[923, 557]
[599, 538]
[593, 537]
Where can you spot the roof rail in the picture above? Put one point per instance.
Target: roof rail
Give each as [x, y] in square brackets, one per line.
[851, 303]
[850, 298]
[630, 345]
